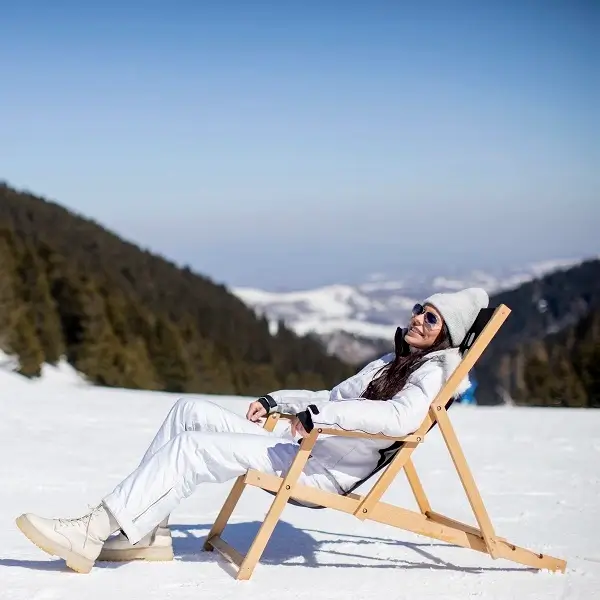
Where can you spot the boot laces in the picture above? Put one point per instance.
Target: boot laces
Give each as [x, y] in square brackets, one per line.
[87, 518]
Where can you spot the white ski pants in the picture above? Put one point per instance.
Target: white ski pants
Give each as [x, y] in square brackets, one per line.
[200, 442]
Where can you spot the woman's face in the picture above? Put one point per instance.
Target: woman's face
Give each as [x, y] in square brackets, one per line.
[424, 327]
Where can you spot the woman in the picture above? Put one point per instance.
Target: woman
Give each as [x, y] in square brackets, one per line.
[201, 442]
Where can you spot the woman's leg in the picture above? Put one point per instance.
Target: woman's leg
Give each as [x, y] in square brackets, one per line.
[220, 447]
[197, 414]
[187, 414]
[158, 485]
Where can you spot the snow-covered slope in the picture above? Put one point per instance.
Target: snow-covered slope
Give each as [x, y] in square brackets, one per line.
[375, 308]
[65, 444]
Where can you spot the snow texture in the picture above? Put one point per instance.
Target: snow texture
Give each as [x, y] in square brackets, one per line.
[64, 444]
[376, 307]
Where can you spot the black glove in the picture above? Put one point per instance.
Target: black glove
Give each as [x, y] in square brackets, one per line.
[305, 417]
[267, 402]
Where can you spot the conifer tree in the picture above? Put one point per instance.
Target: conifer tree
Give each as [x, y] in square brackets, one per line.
[168, 357]
[17, 336]
[35, 291]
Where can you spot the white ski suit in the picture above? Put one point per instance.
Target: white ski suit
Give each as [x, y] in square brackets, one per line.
[200, 441]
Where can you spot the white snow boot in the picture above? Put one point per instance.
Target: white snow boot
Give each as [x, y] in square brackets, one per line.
[77, 541]
[157, 545]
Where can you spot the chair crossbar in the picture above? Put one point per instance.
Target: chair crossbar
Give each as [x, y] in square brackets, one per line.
[434, 525]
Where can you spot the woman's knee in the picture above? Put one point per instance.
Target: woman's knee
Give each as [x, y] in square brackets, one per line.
[204, 457]
[194, 412]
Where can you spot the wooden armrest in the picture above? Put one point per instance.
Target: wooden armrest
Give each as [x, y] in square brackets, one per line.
[371, 436]
[283, 416]
[360, 434]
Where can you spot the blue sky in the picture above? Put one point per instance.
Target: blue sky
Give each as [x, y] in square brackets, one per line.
[287, 144]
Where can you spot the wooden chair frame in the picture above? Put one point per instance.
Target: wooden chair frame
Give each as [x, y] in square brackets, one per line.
[369, 506]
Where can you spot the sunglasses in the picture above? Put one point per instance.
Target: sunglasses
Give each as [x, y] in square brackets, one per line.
[431, 320]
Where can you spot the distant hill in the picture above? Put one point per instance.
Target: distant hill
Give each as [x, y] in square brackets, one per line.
[356, 322]
[126, 317]
[548, 350]
[543, 355]
[563, 369]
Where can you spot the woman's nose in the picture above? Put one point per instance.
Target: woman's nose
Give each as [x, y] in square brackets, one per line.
[418, 320]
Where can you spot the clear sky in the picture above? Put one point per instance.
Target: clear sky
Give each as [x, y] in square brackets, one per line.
[284, 144]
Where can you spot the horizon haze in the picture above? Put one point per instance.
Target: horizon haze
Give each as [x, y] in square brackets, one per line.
[276, 146]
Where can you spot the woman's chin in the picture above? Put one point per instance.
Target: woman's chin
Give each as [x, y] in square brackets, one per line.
[414, 340]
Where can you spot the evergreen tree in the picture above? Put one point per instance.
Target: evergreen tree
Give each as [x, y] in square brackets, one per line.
[25, 344]
[168, 356]
[125, 316]
[565, 387]
[586, 356]
[35, 291]
[9, 304]
[17, 336]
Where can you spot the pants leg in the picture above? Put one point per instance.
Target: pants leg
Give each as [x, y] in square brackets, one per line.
[221, 446]
[189, 414]
[196, 414]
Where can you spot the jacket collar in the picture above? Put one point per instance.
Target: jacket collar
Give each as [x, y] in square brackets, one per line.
[448, 360]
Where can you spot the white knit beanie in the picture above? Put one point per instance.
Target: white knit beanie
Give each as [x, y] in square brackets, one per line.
[459, 310]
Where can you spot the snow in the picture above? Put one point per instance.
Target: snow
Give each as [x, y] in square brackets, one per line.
[332, 300]
[65, 444]
[377, 286]
[361, 328]
[323, 310]
[547, 266]
[375, 308]
[60, 374]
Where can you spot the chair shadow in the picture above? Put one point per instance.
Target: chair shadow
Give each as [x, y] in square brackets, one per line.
[289, 546]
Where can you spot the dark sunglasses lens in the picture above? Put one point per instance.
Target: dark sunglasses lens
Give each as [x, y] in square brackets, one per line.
[431, 319]
[418, 309]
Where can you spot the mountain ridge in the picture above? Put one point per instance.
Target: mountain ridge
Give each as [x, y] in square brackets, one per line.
[126, 317]
[354, 320]
[546, 354]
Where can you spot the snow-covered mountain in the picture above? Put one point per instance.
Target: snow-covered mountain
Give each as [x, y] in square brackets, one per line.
[356, 320]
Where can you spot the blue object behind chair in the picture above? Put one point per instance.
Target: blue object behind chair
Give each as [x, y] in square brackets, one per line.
[469, 396]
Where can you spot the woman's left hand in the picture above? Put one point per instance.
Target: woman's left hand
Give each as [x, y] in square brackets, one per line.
[297, 427]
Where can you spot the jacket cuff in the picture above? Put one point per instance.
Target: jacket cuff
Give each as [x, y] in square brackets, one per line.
[268, 403]
[305, 417]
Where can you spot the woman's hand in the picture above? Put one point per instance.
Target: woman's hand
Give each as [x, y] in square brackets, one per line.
[256, 411]
[297, 428]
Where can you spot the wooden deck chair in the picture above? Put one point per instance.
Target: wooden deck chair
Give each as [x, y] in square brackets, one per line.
[369, 506]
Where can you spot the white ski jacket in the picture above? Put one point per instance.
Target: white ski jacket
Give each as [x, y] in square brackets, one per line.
[351, 459]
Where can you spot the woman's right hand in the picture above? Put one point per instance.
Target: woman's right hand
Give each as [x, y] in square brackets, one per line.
[256, 411]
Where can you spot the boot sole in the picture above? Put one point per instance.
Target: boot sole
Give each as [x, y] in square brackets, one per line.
[158, 554]
[74, 561]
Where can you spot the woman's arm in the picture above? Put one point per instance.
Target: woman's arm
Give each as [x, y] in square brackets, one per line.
[293, 401]
[396, 417]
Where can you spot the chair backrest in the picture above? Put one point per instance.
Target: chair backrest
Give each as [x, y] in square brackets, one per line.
[483, 318]
[388, 454]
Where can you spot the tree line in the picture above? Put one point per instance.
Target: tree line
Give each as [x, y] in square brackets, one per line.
[547, 353]
[126, 317]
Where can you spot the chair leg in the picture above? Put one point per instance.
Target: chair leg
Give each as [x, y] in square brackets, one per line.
[417, 487]
[281, 499]
[468, 482]
[262, 537]
[226, 511]
[234, 495]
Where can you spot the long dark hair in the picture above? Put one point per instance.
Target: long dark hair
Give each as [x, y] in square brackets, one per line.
[393, 377]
